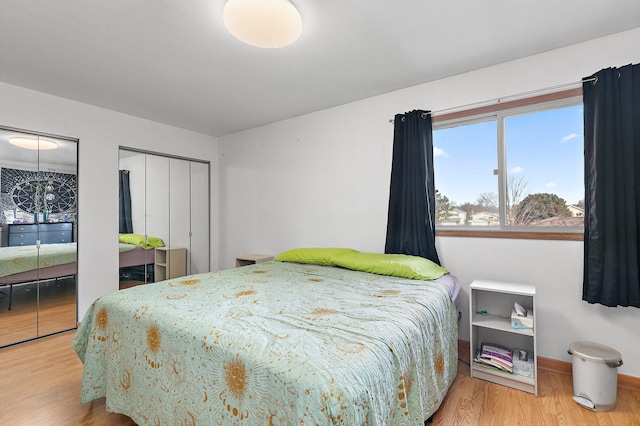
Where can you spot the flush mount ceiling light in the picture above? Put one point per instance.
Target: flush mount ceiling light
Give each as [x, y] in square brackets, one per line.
[263, 23]
[32, 143]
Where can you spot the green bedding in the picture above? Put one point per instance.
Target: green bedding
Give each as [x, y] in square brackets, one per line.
[273, 343]
[14, 260]
[146, 242]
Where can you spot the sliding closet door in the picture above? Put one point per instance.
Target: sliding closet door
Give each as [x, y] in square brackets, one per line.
[199, 218]
[189, 218]
[170, 201]
[57, 294]
[179, 196]
[18, 298]
[38, 255]
[157, 183]
[135, 266]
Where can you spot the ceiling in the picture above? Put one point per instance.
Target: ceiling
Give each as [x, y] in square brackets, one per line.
[174, 62]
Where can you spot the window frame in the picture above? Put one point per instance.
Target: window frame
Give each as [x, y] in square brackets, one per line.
[499, 112]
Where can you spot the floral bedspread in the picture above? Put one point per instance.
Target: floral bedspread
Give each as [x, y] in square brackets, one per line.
[272, 344]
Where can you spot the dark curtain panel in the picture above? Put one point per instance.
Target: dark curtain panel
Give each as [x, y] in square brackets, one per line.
[612, 186]
[126, 225]
[411, 221]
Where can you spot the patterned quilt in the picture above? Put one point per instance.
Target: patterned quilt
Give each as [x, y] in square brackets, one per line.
[272, 344]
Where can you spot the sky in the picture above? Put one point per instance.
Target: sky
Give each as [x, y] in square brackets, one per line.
[544, 149]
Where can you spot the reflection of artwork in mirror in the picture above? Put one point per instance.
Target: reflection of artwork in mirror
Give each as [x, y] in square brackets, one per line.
[25, 193]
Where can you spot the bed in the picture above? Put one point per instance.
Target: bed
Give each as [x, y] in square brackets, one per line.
[137, 256]
[277, 343]
[25, 264]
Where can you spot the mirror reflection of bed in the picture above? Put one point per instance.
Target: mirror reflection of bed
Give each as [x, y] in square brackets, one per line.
[137, 258]
[164, 217]
[38, 229]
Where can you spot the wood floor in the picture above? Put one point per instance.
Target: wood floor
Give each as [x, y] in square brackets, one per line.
[40, 384]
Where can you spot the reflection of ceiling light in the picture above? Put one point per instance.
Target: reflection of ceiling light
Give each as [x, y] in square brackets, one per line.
[32, 143]
[263, 23]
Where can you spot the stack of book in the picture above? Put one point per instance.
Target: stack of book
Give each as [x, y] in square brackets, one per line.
[495, 356]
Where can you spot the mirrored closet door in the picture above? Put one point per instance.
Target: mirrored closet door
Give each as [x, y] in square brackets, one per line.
[38, 252]
[164, 217]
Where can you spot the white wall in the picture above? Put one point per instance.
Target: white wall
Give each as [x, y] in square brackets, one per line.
[100, 133]
[323, 180]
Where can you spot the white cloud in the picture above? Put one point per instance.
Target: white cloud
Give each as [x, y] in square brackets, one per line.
[569, 137]
[439, 152]
[517, 169]
[550, 185]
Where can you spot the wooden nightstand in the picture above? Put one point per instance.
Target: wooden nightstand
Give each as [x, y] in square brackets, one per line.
[252, 259]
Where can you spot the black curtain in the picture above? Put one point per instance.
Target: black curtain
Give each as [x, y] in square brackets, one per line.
[126, 225]
[411, 220]
[612, 187]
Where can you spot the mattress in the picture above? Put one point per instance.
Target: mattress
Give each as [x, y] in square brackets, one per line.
[273, 343]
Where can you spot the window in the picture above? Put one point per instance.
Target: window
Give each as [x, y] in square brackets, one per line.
[517, 166]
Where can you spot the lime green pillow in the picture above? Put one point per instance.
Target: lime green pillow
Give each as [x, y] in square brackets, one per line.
[316, 256]
[396, 265]
[138, 239]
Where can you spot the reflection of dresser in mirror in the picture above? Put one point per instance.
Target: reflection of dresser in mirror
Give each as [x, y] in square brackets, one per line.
[28, 234]
[38, 217]
[167, 198]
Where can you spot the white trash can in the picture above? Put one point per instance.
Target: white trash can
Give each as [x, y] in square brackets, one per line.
[595, 375]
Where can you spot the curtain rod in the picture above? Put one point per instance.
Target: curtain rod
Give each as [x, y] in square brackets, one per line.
[594, 80]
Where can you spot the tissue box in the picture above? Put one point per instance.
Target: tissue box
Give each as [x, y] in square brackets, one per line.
[522, 321]
[523, 363]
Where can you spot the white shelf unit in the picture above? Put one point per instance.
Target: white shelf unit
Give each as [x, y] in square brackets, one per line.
[170, 262]
[496, 298]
